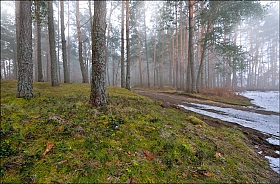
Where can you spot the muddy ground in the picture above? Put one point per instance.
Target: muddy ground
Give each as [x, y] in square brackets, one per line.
[256, 139]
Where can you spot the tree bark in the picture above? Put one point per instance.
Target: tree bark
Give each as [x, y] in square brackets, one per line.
[25, 63]
[98, 85]
[54, 75]
[80, 47]
[64, 55]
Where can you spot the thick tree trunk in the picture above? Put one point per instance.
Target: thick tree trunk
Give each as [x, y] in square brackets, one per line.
[54, 75]
[64, 56]
[80, 46]
[25, 64]
[98, 85]
[122, 49]
[127, 47]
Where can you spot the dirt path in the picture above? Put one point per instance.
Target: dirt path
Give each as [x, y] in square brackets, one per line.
[256, 139]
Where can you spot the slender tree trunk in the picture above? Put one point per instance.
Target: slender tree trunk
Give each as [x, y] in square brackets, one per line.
[80, 47]
[122, 48]
[162, 61]
[68, 42]
[58, 49]
[17, 6]
[140, 62]
[35, 50]
[25, 64]
[98, 84]
[155, 51]
[127, 47]
[64, 56]
[146, 47]
[54, 75]
[181, 47]
[191, 46]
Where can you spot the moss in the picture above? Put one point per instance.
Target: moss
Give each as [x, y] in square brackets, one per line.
[149, 144]
[195, 121]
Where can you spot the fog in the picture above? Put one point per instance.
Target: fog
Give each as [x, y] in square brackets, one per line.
[166, 55]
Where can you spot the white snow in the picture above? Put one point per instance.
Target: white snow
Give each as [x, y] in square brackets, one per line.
[268, 124]
[268, 100]
[274, 163]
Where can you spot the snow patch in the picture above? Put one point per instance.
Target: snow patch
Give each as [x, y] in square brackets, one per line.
[268, 100]
[274, 163]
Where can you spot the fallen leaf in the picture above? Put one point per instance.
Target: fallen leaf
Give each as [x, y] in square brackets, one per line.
[184, 175]
[108, 163]
[105, 123]
[61, 162]
[149, 155]
[218, 155]
[48, 148]
[207, 174]
[195, 175]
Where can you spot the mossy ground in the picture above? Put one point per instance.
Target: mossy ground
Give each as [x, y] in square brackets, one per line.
[133, 139]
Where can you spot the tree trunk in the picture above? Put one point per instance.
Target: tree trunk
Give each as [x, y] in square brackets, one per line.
[146, 47]
[17, 6]
[64, 56]
[140, 62]
[54, 75]
[25, 64]
[127, 47]
[80, 47]
[98, 85]
[122, 49]
[191, 46]
[162, 61]
[155, 64]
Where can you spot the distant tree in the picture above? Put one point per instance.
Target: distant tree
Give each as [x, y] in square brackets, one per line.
[54, 74]
[80, 47]
[98, 82]
[122, 48]
[25, 63]
[64, 56]
[127, 47]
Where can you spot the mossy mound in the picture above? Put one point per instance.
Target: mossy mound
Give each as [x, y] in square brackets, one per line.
[57, 136]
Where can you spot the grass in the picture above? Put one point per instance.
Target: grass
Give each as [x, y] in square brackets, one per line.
[223, 95]
[133, 139]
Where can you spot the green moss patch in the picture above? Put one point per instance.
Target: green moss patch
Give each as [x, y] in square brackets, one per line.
[58, 137]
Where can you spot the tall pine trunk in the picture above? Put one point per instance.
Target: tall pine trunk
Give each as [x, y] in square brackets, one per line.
[25, 63]
[54, 75]
[127, 47]
[191, 46]
[80, 46]
[122, 49]
[64, 56]
[98, 82]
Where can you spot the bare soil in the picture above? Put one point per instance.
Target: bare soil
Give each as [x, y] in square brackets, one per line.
[256, 139]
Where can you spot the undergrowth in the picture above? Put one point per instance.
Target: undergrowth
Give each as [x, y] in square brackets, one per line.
[58, 137]
[223, 95]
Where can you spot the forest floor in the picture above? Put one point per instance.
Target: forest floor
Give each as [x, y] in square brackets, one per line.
[58, 137]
